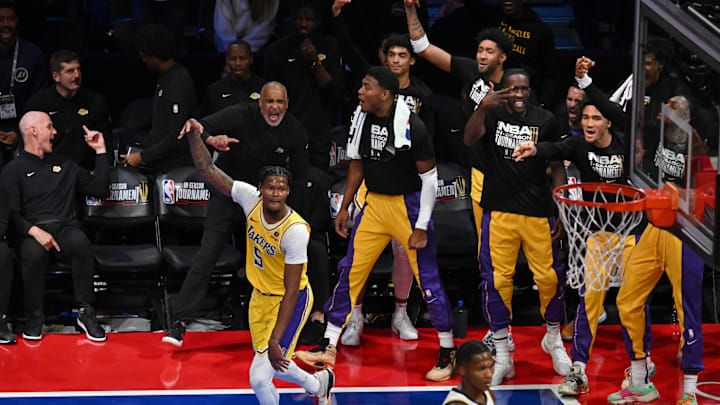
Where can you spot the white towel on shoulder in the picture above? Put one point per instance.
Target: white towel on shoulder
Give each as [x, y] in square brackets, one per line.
[401, 130]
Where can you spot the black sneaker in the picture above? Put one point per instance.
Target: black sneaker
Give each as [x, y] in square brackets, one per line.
[312, 333]
[443, 369]
[175, 334]
[6, 335]
[87, 321]
[33, 326]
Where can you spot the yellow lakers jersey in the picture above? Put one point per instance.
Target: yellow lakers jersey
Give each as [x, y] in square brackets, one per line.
[265, 258]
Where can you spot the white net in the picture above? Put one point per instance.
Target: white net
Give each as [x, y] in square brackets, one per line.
[599, 233]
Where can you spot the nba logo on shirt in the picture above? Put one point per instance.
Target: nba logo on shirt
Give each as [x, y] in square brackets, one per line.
[169, 191]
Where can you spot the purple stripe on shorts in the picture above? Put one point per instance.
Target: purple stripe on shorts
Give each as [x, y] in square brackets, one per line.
[296, 323]
[497, 315]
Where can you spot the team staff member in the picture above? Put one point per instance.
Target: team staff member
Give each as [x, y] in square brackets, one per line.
[6, 269]
[276, 264]
[41, 190]
[390, 149]
[71, 106]
[308, 63]
[23, 72]
[174, 102]
[249, 137]
[517, 211]
[238, 84]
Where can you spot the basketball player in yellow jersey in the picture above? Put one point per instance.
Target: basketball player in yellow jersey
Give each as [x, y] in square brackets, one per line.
[277, 239]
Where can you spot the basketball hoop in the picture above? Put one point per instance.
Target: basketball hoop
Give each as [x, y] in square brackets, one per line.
[599, 224]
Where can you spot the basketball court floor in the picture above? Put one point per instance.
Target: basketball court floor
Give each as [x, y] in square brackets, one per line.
[212, 368]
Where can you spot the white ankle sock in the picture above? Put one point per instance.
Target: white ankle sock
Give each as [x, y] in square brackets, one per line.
[553, 328]
[446, 339]
[581, 365]
[690, 383]
[333, 332]
[638, 373]
[400, 308]
[500, 337]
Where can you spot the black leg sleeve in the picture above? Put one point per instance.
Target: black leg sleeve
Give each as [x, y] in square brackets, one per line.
[318, 265]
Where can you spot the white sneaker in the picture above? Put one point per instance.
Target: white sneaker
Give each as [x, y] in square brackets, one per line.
[504, 370]
[402, 325]
[554, 347]
[353, 330]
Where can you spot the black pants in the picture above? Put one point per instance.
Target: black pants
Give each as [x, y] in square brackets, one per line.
[74, 244]
[6, 277]
[222, 214]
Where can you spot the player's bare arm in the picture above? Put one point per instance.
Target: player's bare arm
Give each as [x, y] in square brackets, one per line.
[354, 179]
[433, 54]
[291, 281]
[203, 161]
[475, 127]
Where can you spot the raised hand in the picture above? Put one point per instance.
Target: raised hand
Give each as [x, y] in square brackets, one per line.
[523, 150]
[496, 98]
[95, 140]
[308, 51]
[583, 65]
[191, 125]
[338, 5]
[221, 142]
[410, 3]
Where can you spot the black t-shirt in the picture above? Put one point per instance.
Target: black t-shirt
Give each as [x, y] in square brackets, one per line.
[419, 98]
[68, 116]
[174, 102]
[388, 174]
[30, 77]
[595, 164]
[261, 145]
[474, 87]
[228, 91]
[673, 155]
[510, 186]
[44, 189]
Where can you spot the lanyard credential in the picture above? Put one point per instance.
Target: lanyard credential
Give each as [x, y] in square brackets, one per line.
[14, 63]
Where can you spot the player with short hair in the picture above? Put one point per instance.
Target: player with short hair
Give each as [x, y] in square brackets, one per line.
[392, 152]
[474, 362]
[517, 211]
[599, 157]
[276, 266]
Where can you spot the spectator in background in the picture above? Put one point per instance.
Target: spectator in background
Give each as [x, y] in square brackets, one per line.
[238, 84]
[41, 195]
[170, 13]
[308, 63]
[6, 269]
[173, 103]
[570, 121]
[23, 71]
[253, 21]
[71, 107]
[533, 49]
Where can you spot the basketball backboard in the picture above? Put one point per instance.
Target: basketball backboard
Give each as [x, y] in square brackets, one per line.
[675, 105]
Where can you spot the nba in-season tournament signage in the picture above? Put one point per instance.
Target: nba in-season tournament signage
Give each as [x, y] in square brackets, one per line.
[185, 192]
[122, 194]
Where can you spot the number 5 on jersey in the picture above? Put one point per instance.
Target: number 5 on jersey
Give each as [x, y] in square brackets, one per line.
[258, 262]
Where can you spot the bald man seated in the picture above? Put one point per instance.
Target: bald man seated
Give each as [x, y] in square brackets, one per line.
[42, 187]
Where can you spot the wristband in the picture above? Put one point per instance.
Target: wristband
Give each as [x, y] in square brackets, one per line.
[420, 45]
[583, 82]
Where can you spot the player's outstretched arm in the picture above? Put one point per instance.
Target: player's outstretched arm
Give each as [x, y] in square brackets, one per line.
[291, 281]
[203, 161]
[433, 54]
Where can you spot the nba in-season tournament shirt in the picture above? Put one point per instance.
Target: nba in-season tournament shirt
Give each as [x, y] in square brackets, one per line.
[595, 164]
[510, 186]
